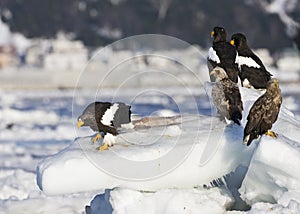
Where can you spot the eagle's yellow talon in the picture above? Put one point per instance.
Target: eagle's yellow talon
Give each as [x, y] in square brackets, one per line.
[103, 147]
[97, 137]
[271, 134]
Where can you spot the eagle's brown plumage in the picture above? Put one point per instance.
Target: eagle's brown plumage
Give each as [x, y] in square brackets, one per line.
[263, 113]
[226, 96]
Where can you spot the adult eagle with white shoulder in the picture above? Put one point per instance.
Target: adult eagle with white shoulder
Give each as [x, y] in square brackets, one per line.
[105, 117]
[252, 71]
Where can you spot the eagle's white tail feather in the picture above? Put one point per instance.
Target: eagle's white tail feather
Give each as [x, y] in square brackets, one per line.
[246, 139]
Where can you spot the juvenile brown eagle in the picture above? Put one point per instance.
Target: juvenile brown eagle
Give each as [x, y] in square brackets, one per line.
[226, 96]
[252, 71]
[105, 117]
[222, 54]
[263, 113]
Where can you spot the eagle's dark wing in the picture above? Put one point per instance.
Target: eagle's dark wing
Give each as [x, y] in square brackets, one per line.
[211, 64]
[253, 69]
[110, 116]
[272, 110]
[232, 94]
[100, 109]
[263, 113]
[255, 118]
[219, 99]
[227, 99]
[258, 78]
[105, 117]
[122, 115]
[228, 59]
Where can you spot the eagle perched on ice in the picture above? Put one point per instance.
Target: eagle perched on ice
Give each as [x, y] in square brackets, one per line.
[222, 54]
[105, 117]
[263, 113]
[252, 71]
[226, 96]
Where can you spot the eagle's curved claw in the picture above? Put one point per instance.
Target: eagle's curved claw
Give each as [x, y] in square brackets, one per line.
[103, 147]
[271, 134]
[97, 137]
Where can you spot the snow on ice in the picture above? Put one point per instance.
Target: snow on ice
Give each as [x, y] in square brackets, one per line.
[276, 174]
[162, 157]
[206, 150]
[37, 129]
[173, 201]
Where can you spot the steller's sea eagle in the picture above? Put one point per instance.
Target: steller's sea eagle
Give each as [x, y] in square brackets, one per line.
[222, 54]
[105, 117]
[252, 71]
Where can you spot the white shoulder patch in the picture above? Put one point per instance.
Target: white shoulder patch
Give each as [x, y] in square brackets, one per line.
[248, 61]
[108, 116]
[212, 55]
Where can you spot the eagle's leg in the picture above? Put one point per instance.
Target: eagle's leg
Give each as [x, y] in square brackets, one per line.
[271, 134]
[97, 137]
[103, 147]
[108, 140]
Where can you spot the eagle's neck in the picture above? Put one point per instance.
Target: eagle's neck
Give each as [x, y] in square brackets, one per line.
[222, 79]
[275, 93]
[278, 98]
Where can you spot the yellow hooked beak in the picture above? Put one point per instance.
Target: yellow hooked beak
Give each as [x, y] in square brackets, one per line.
[80, 123]
[212, 72]
[212, 33]
[232, 42]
